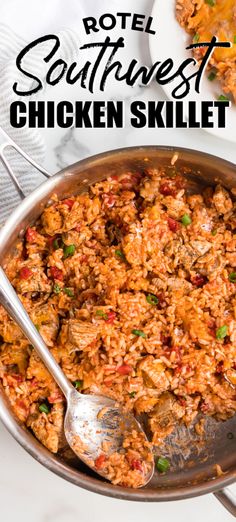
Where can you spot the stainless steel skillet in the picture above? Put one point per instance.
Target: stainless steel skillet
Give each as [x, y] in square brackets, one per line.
[193, 470]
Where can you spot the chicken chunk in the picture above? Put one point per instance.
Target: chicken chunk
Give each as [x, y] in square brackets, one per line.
[14, 355]
[10, 332]
[153, 372]
[197, 329]
[164, 415]
[222, 200]
[47, 321]
[52, 221]
[180, 287]
[176, 207]
[184, 10]
[192, 251]
[200, 247]
[81, 333]
[145, 404]
[37, 370]
[48, 428]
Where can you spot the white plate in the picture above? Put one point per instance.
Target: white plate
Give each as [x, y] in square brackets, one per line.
[171, 42]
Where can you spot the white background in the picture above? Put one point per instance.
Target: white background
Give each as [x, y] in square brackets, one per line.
[28, 492]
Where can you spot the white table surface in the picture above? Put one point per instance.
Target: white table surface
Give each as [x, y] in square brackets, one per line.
[29, 492]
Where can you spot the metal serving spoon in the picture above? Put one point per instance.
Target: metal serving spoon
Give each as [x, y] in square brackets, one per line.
[93, 424]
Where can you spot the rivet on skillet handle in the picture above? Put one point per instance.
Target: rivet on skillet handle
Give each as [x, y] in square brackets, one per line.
[226, 497]
[6, 141]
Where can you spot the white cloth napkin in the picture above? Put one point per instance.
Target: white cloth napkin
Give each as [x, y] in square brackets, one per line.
[20, 23]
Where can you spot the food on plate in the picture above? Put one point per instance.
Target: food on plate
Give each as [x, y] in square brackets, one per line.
[132, 285]
[204, 19]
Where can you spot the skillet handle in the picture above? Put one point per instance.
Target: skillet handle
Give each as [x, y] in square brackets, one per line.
[226, 497]
[6, 141]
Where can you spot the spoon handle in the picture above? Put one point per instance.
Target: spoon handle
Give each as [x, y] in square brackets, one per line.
[12, 304]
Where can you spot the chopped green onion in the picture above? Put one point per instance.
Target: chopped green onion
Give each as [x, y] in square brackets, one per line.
[232, 277]
[120, 254]
[102, 314]
[132, 394]
[214, 232]
[68, 250]
[222, 332]
[78, 384]
[139, 333]
[186, 220]
[69, 292]
[56, 289]
[162, 464]
[152, 299]
[196, 38]
[223, 98]
[235, 39]
[212, 76]
[44, 408]
[210, 2]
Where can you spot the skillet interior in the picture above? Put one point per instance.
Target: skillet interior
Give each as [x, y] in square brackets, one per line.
[192, 464]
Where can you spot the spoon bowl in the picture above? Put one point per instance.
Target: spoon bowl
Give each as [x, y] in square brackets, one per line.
[96, 425]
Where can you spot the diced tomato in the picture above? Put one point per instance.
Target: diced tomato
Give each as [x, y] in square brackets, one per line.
[69, 203]
[14, 379]
[55, 397]
[115, 177]
[56, 273]
[212, 333]
[178, 369]
[166, 339]
[199, 280]
[34, 383]
[182, 401]
[100, 461]
[166, 189]
[30, 235]
[109, 199]
[50, 240]
[84, 259]
[174, 226]
[111, 317]
[125, 369]
[25, 273]
[136, 464]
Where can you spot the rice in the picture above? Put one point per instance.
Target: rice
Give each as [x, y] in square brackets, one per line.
[133, 288]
